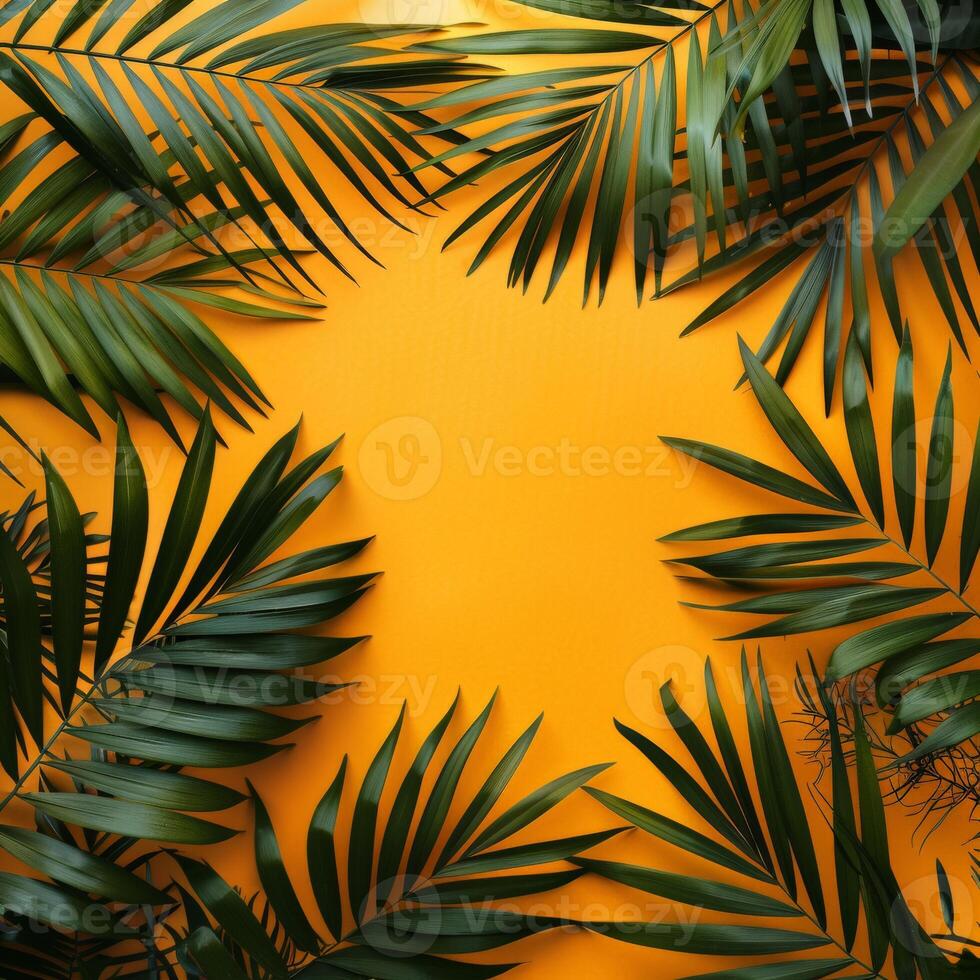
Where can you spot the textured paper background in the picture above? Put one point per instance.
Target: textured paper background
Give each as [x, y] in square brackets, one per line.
[503, 564]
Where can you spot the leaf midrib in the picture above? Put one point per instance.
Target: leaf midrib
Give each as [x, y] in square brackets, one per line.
[154, 63]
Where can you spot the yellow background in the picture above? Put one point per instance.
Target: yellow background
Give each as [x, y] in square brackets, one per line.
[550, 585]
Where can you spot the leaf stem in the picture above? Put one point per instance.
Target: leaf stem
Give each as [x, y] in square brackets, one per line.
[45, 749]
[856, 961]
[938, 579]
[134, 60]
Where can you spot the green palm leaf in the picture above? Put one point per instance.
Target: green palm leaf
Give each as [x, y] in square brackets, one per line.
[198, 683]
[911, 648]
[864, 881]
[762, 173]
[109, 257]
[404, 917]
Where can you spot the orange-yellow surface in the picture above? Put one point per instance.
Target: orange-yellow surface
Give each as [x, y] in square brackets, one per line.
[506, 455]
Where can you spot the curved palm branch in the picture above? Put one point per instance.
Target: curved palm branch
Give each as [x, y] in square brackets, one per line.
[591, 154]
[913, 653]
[175, 154]
[103, 768]
[408, 906]
[598, 142]
[773, 856]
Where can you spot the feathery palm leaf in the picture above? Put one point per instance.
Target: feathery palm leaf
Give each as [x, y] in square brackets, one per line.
[848, 229]
[772, 853]
[915, 652]
[202, 667]
[409, 906]
[591, 153]
[174, 154]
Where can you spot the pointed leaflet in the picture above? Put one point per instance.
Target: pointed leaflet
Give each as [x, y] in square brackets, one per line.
[848, 880]
[79, 869]
[733, 763]
[437, 808]
[525, 812]
[904, 441]
[861, 313]
[528, 855]
[833, 319]
[860, 429]
[488, 794]
[797, 822]
[756, 473]
[403, 810]
[714, 940]
[321, 855]
[662, 162]
[23, 637]
[68, 567]
[155, 787]
[791, 427]
[360, 859]
[686, 785]
[678, 834]
[960, 725]
[884, 263]
[769, 54]
[275, 881]
[128, 819]
[829, 49]
[260, 482]
[701, 893]
[699, 130]
[874, 836]
[42, 903]
[696, 744]
[939, 464]
[765, 779]
[181, 528]
[752, 524]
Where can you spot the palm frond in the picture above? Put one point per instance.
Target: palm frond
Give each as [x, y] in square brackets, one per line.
[764, 171]
[846, 208]
[570, 156]
[805, 578]
[177, 188]
[408, 907]
[196, 685]
[772, 854]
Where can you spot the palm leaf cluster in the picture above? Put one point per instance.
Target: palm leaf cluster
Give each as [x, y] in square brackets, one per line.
[763, 170]
[770, 849]
[140, 184]
[413, 892]
[101, 737]
[803, 569]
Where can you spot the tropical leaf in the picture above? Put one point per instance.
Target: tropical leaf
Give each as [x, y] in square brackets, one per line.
[764, 172]
[794, 888]
[197, 683]
[904, 620]
[147, 184]
[405, 912]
